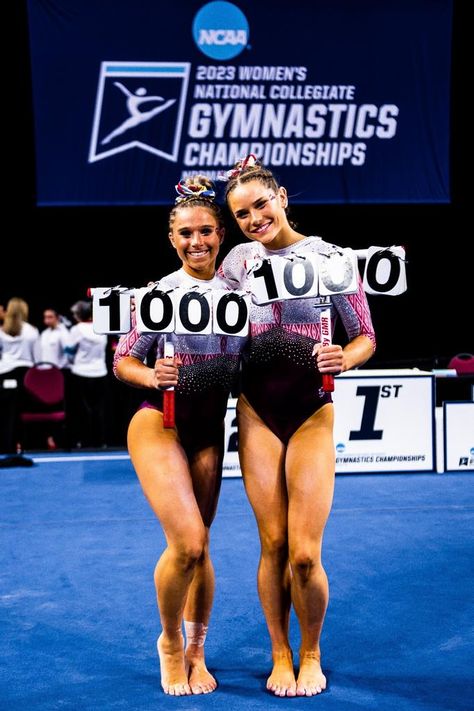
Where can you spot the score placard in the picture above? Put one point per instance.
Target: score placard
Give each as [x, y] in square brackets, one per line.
[182, 311]
[111, 310]
[295, 276]
[385, 271]
[302, 276]
[155, 310]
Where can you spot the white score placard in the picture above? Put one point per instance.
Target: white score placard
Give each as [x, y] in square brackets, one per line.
[182, 311]
[193, 311]
[303, 276]
[338, 273]
[230, 312]
[154, 310]
[111, 310]
[276, 278]
[385, 271]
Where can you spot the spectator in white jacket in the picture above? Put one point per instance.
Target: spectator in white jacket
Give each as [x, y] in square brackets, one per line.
[87, 351]
[19, 349]
[54, 340]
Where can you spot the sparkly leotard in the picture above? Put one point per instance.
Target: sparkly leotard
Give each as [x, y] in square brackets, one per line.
[280, 377]
[209, 367]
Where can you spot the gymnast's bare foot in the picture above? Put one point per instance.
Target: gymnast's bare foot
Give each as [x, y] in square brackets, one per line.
[281, 681]
[174, 679]
[311, 680]
[200, 679]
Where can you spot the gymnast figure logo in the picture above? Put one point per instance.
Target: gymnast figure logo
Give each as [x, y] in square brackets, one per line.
[143, 103]
[134, 101]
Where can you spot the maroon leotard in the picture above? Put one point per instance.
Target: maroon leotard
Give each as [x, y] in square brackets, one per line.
[210, 363]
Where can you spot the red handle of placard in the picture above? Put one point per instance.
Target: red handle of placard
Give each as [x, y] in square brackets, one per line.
[168, 408]
[326, 340]
[168, 394]
[328, 383]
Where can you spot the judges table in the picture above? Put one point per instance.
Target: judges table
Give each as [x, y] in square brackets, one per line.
[385, 422]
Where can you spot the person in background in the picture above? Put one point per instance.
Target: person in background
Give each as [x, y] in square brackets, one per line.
[54, 340]
[88, 382]
[19, 349]
[285, 422]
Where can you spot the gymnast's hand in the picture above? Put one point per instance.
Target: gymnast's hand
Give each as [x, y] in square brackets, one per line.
[166, 372]
[329, 359]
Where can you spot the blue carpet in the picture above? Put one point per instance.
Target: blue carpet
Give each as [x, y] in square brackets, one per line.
[78, 620]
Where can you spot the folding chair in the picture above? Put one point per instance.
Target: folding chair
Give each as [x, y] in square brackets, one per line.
[43, 400]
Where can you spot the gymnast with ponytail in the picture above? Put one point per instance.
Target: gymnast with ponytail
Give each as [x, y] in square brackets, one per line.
[180, 467]
[285, 421]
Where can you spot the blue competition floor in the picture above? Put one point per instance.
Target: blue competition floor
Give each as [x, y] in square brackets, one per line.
[78, 619]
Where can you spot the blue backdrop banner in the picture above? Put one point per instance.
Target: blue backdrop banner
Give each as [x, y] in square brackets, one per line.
[346, 101]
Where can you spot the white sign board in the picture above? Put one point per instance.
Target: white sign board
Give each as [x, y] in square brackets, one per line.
[384, 421]
[458, 436]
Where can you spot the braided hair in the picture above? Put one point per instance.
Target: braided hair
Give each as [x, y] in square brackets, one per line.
[196, 191]
[247, 169]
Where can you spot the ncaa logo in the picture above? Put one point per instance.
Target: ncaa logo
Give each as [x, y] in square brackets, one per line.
[220, 30]
[139, 105]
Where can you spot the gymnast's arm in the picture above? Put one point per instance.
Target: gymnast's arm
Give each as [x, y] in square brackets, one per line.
[357, 352]
[355, 314]
[361, 347]
[134, 372]
[130, 367]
